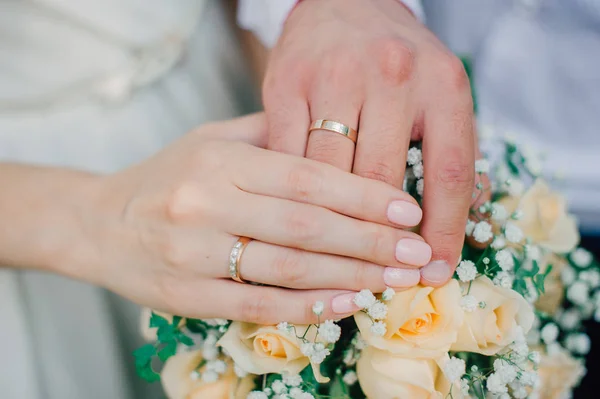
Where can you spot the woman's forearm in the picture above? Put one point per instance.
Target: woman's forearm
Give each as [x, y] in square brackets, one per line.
[41, 214]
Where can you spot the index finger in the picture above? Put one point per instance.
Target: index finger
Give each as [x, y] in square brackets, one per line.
[448, 157]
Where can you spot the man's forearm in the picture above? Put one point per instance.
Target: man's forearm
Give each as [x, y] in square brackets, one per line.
[41, 211]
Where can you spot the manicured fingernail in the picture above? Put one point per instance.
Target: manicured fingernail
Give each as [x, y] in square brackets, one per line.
[413, 252]
[344, 303]
[404, 213]
[436, 272]
[400, 278]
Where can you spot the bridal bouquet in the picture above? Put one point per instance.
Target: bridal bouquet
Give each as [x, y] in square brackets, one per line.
[509, 325]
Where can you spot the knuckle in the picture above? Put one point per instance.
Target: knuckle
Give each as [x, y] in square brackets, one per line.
[302, 226]
[380, 171]
[376, 243]
[455, 176]
[185, 202]
[445, 238]
[452, 72]
[174, 254]
[257, 309]
[339, 67]
[304, 182]
[289, 267]
[277, 83]
[396, 60]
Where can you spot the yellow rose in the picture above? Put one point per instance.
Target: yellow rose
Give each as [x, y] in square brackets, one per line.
[545, 219]
[178, 383]
[554, 293]
[421, 322]
[490, 329]
[559, 374]
[266, 349]
[383, 375]
[149, 333]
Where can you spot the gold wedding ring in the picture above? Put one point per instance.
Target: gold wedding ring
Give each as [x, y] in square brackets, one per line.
[235, 258]
[333, 126]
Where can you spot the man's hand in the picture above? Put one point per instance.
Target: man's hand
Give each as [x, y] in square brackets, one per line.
[372, 66]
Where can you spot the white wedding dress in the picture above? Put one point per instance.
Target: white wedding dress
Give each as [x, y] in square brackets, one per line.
[98, 85]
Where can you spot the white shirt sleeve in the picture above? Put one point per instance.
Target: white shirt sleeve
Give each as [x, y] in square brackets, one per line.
[265, 18]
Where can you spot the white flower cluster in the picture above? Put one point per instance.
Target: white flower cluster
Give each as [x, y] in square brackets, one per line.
[512, 370]
[415, 161]
[376, 310]
[289, 387]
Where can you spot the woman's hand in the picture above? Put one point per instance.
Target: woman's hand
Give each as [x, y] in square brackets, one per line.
[167, 227]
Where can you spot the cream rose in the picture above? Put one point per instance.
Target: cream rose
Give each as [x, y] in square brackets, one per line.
[545, 219]
[421, 322]
[383, 375]
[178, 383]
[559, 374]
[490, 329]
[266, 349]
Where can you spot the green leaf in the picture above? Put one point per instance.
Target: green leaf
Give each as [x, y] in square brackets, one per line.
[166, 333]
[184, 339]
[338, 388]
[148, 374]
[158, 321]
[176, 321]
[168, 351]
[144, 354]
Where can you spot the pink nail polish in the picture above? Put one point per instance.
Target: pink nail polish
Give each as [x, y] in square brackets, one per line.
[344, 303]
[401, 278]
[436, 272]
[404, 213]
[413, 252]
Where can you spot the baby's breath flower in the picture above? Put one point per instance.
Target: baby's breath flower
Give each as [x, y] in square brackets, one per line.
[466, 271]
[318, 308]
[469, 227]
[319, 353]
[330, 332]
[469, 303]
[218, 366]
[414, 156]
[498, 243]
[195, 375]
[350, 378]
[279, 387]
[379, 328]
[257, 395]
[578, 343]
[505, 260]
[578, 293]
[513, 233]
[291, 380]
[568, 275]
[418, 170]
[378, 310]
[364, 299]
[495, 384]
[283, 326]
[486, 261]
[454, 369]
[499, 212]
[535, 357]
[420, 187]
[504, 279]
[581, 257]
[592, 277]
[388, 294]
[483, 232]
[505, 370]
[209, 376]
[570, 319]
[515, 187]
[549, 333]
[482, 166]
[464, 387]
[532, 252]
